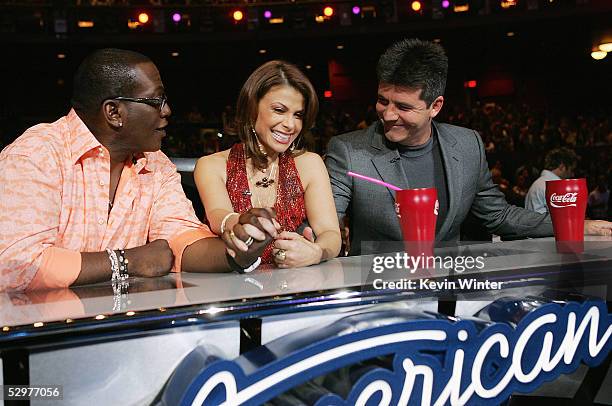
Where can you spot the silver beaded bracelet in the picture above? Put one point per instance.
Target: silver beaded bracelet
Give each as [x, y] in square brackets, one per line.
[119, 278]
[123, 264]
[112, 255]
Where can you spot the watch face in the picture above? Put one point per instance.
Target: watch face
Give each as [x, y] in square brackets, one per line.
[234, 266]
[253, 266]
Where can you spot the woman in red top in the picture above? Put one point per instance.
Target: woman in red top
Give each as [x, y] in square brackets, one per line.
[276, 105]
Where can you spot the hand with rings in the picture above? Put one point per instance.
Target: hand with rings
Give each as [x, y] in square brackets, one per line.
[246, 240]
[280, 256]
[293, 250]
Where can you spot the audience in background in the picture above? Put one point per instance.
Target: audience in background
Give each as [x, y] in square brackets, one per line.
[514, 135]
[560, 163]
[516, 138]
[598, 200]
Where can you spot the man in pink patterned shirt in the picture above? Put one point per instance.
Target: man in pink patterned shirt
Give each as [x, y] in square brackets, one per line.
[92, 193]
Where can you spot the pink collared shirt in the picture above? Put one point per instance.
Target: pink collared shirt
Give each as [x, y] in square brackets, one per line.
[54, 193]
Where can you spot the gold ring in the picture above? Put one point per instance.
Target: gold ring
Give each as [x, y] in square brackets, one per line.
[281, 255]
[232, 235]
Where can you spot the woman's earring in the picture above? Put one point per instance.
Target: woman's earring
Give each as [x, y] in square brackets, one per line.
[120, 124]
[259, 145]
[294, 145]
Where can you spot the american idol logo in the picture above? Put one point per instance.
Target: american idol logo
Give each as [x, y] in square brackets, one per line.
[566, 200]
[435, 361]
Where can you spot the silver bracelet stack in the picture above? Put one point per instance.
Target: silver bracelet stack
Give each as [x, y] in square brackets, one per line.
[119, 278]
[123, 264]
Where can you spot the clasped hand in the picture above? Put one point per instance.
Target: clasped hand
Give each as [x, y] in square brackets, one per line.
[293, 250]
[247, 239]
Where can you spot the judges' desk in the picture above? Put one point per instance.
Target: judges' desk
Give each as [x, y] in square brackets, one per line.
[138, 348]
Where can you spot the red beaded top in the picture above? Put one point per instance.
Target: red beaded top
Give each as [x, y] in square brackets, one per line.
[290, 207]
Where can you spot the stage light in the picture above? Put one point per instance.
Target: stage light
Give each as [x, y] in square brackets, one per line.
[61, 56]
[470, 84]
[238, 16]
[356, 10]
[267, 14]
[607, 47]
[308, 67]
[262, 51]
[508, 3]
[416, 6]
[327, 94]
[598, 55]
[340, 46]
[462, 8]
[176, 17]
[143, 18]
[277, 20]
[510, 34]
[174, 54]
[445, 4]
[328, 11]
[85, 24]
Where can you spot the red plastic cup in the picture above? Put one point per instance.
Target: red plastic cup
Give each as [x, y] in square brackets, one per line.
[567, 201]
[417, 210]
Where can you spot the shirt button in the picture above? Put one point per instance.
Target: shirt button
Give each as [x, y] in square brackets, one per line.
[101, 183]
[101, 221]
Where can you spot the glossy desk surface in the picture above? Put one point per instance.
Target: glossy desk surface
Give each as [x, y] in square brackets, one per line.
[339, 282]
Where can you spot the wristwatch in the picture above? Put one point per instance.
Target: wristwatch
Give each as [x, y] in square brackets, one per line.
[234, 266]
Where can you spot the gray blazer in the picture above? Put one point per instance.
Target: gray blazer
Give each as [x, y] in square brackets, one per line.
[371, 207]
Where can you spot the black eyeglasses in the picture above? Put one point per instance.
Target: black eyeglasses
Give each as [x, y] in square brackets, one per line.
[158, 102]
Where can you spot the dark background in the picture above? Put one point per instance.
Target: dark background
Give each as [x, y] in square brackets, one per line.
[546, 63]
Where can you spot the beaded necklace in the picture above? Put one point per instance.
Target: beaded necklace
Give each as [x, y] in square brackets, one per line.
[263, 187]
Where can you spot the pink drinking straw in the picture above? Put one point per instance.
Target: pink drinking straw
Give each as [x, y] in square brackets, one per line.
[379, 182]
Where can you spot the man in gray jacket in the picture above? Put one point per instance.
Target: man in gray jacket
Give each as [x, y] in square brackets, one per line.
[408, 149]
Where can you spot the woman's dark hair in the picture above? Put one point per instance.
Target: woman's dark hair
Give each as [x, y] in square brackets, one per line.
[264, 78]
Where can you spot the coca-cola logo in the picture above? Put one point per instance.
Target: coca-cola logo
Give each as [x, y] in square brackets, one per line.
[567, 200]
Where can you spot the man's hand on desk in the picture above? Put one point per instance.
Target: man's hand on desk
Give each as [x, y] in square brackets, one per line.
[150, 260]
[249, 237]
[598, 227]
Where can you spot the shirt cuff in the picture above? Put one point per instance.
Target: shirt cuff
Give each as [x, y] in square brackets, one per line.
[59, 268]
[185, 239]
